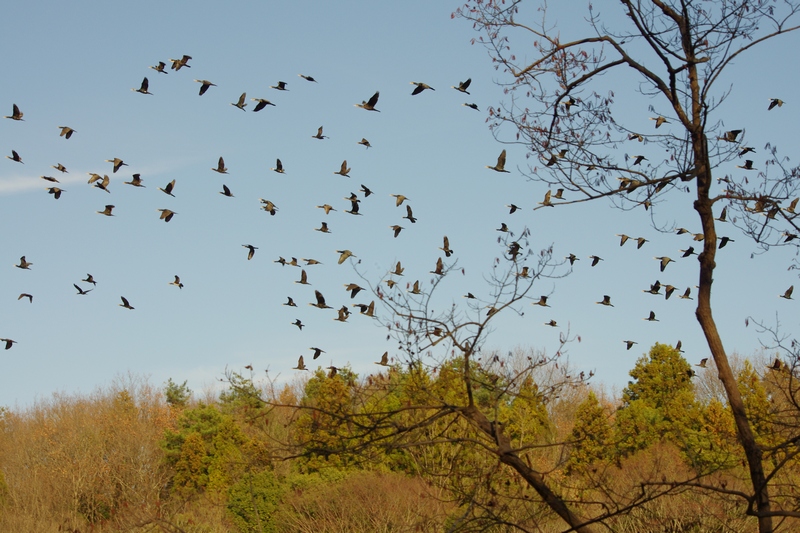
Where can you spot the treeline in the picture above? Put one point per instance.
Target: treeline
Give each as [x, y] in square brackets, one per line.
[390, 452]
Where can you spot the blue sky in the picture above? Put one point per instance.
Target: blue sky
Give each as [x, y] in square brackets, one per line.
[75, 64]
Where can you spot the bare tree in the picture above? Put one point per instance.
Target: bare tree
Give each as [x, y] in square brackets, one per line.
[561, 107]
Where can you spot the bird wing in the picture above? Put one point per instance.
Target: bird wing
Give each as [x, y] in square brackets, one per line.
[374, 100]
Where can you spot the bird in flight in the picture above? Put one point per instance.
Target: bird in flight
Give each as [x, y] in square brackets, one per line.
[384, 359]
[343, 255]
[125, 303]
[160, 67]
[300, 364]
[399, 199]
[23, 264]
[463, 86]
[659, 121]
[55, 191]
[241, 103]
[317, 352]
[344, 170]
[501, 163]
[606, 301]
[8, 342]
[410, 215]
[629, 344]
[251, 250]
[320, 303]
[25, 295]
[775, 102]
[471, 106]
[307, 78]
[664, 261]
[107, 211]
[420, 87]
[81, 291]
[220, 167]
[303, 278]
[182, 62]
[788, 293]
[226, 191]
[177, 282]
[60, 168]
[446, 247]
[204, 85]
[327, 208]
[136, 181]
[396, 229]
[370, 104]
[651, 317]
[278, 167]
[16, 114]
[298, 324]
[281, 86]
[730, 136]
[168, 188]
[364, 142]
[15, 157]
[319, 134]
[262, 103]
[66, 132]
[166, 214]
[144, 87]
[703, 362]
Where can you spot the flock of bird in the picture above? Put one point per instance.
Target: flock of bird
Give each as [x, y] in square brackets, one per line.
[343, 312]
[104, 183]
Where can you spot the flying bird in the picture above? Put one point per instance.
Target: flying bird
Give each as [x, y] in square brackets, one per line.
[136, 181]
[471, 106]
[166, 214]
[290, 302]
[651, 317]
[241, 102]
[396, 229]
[60, 168]
[410, 215]
[251, 250]
[398, 269]
[90, 279]
[320, 303]
[343, 255]
[629, 344]
[501, 163]
[748, 165]
[55, 191]
[15, 157]
[204, 85]
[664, 261]
[16, 114]
[370, 104]
[462, 86]
[354, 289]
[606, 301]
[107, 211]
[281, 86]
[160, 67]
[300, 364]
[125, 303]
[26, 295]
[344, 170]
[307, 78]
[788, 293]
[278, 167]
[319, 134]
[182, 62]
[399, 199]
[420, 87]
[23, 264]
[323, 228]
[226, 191]
[262, 103]
[439, 271]
[220, 167]
[659, 121]
[317, 352]
[775, 102]
[384, 359]
[446, 247]
[8, 343]
[364, 142]
[177, 282]
[595, 259]
[298, 324]
[143, 88]
[81, 291]
[66, 132]
[168, 188]
[702, 363]
[730, 136]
